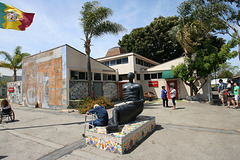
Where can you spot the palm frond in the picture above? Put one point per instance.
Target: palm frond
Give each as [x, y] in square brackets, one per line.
[5, 64]
[7, 56]
[17, 50]
[25, 55]
[107, 27]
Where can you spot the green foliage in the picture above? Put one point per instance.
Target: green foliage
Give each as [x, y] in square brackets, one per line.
[88, 103]
[74, 104]
[218, 16]
[13, 62]
[152, 41]
[225, 74]
[208, 57]
[226, 70]
[94, 20]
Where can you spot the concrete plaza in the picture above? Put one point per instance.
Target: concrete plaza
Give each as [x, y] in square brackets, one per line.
[193, 131]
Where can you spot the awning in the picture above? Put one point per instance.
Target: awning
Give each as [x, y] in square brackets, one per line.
[167, 75]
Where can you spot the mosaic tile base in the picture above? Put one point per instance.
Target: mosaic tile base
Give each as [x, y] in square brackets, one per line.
[120, 142]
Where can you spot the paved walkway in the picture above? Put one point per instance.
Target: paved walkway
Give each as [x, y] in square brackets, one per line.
[193, 131]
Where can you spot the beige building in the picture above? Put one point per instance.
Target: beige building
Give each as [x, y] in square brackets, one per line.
[124, 63]
[149, 73]
[57, 76]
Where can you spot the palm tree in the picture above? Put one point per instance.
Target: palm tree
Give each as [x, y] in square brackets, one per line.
[93, 19]
[14, 62]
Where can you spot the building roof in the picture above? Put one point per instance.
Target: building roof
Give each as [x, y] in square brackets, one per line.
[167, 65]
[103, 59]
[41, 55]
[8, 72]
[115, 51]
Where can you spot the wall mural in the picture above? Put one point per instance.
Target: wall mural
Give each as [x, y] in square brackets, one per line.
[110, 90]
[77, 90]
[43, 81]
[14, 91]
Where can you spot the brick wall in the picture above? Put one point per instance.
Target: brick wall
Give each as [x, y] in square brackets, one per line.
[42, 80]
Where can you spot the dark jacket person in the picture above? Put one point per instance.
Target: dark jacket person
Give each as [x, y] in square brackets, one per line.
[102, 115]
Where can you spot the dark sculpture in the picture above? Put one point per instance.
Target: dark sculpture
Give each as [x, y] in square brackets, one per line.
[133, 106]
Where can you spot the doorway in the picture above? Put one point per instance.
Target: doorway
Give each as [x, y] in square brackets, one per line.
[170, 84]
[97, 89]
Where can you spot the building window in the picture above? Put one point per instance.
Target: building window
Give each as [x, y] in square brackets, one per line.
[124, 60]
[154, 76]
[97, 76]
[138, 77]
[144, 63]
[83, 75]
[123, 77]
[105, 77]
[116, 61]
[74, 75]
[106, 63]
[159, 75]
[119, 61]
[114, 77]
[109, 77]
[112, 62]
[147, 77]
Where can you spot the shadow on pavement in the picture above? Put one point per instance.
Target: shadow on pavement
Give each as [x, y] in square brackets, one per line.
[11, 121]
[180, 108]
[51, 125]
[1, 157]
[157, 128]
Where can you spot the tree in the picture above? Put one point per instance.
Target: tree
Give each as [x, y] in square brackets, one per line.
[226, 70]
[93, 19]
[198, 23]
[207, 57]
[152, 41]
[220, 13]
[225, 74]
[13, 62]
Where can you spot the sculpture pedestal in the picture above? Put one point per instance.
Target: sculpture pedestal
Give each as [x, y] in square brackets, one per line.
[121, 142]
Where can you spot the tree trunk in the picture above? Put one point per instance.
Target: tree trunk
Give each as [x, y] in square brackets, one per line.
[89, 75]
[15, 75]
[195, 90]
[238, 49]
[191, 89]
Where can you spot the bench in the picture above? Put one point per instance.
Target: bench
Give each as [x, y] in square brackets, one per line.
[121, 142]
[149, 95]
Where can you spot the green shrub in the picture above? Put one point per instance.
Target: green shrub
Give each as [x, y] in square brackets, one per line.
[74, 104]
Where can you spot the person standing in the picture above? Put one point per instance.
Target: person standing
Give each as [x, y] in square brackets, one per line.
[230, 94]
[221, 90]
[164, 97]
[236, 93]
[173, 96]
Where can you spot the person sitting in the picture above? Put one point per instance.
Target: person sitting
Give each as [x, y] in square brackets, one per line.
[133, 106]
[102, 116]
[6, 107]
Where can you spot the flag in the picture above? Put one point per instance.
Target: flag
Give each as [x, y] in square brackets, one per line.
[13, 18]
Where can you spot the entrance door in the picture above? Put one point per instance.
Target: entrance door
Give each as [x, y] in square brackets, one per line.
[120, 89]
[170, 84]
[97, 89]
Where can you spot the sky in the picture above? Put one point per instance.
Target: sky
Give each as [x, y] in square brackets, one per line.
[56, 23]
